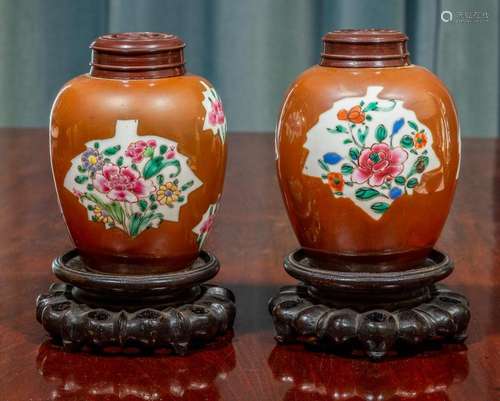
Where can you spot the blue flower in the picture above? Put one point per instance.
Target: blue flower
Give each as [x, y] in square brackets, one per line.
[395, 193]
[397, 125]
[331, 158]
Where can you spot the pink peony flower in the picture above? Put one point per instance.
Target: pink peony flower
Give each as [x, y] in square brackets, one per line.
[378, 164]
[207, 225]
[122, 184]
[137, 149]
[216, 115]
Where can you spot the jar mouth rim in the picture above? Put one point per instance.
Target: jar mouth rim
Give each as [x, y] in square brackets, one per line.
[137, 42]
[365, 36]
[353, 48]
[137, 55]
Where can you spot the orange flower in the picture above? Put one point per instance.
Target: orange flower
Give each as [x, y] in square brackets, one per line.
[420, 140]
[355, 115]
[336, 182]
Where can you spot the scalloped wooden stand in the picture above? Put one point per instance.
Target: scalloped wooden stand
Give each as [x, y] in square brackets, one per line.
[97, 310]
[374, 312]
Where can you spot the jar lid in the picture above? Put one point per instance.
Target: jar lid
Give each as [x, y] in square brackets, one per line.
[365, 48]
[137, 55]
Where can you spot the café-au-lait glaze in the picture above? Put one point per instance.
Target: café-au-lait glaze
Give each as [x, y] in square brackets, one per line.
[368, 152]
[138, 152]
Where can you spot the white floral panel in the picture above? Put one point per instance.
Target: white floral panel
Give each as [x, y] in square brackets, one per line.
[205, 225]
[370, 150]
[215, 119]
[131, 182]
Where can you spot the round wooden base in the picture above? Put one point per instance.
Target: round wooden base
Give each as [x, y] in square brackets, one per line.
[98, 310]
[376, 313]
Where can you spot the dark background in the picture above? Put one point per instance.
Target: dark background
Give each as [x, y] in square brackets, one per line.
[250, 50]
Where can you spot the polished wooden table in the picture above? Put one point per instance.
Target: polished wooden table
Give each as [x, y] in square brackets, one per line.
[251, 237]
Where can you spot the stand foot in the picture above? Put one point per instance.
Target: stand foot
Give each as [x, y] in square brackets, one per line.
[88, 317]
[359, 319]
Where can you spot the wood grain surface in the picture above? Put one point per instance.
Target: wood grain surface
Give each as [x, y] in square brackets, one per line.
[251, 237]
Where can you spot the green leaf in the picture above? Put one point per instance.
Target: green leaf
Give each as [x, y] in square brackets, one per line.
[149, 152]
[413, 125]
[412, 183]
[323, 165]
[81, 169]
[365, 193]
[354, 153]
[90, 187]
[346, 169]
[160, 179]
[380, 133]
[406, 142]
[339, 193]
[380, 207]
[119, 161]
[134, 166]
[112, 150]
[362, 133]
[96, 145]
[116, 212]
[368, 117]
[370, 106]
[80, 179]
[181, 198]
[134, 224]
[163, 149]
[152, 198]
[400, 180]
[154, 206]
[187, 185]
[158, 163]
[347, 141]
[143, 205]
[339, 129]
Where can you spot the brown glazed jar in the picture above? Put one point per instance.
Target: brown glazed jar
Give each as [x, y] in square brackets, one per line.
[368, 152]
[138, 155]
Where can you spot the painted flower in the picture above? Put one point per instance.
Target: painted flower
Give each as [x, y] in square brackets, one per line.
[207, 225]
[102, 216]
[168, 193]
[395, 193]
[122, 184]
[420, 140]
[336, 182]
[92, 160]
[216, 115]
[140, 149]
[378, 164]
[354, 115]
[170, 153]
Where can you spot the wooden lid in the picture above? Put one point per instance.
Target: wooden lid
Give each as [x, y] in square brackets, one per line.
[137, 55]
[365, 48]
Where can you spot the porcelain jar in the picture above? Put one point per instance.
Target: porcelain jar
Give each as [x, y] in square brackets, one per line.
[138, 153]
[368, 154]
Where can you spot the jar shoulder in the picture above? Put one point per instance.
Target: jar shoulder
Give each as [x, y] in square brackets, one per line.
[85, 88]
[406, 82]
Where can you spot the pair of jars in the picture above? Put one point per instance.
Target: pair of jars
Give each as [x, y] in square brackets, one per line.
[367, 155]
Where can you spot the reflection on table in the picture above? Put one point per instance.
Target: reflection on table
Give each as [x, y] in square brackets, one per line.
[423, 377]
[90, 377]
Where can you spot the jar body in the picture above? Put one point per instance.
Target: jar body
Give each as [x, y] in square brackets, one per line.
[139, 168]
[367, 161]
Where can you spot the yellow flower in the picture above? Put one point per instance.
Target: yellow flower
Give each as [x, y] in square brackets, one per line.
[102, 216]
[168, 193]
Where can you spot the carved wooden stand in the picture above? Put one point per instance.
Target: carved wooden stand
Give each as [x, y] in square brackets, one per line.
[374, 312]
[98, 310]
